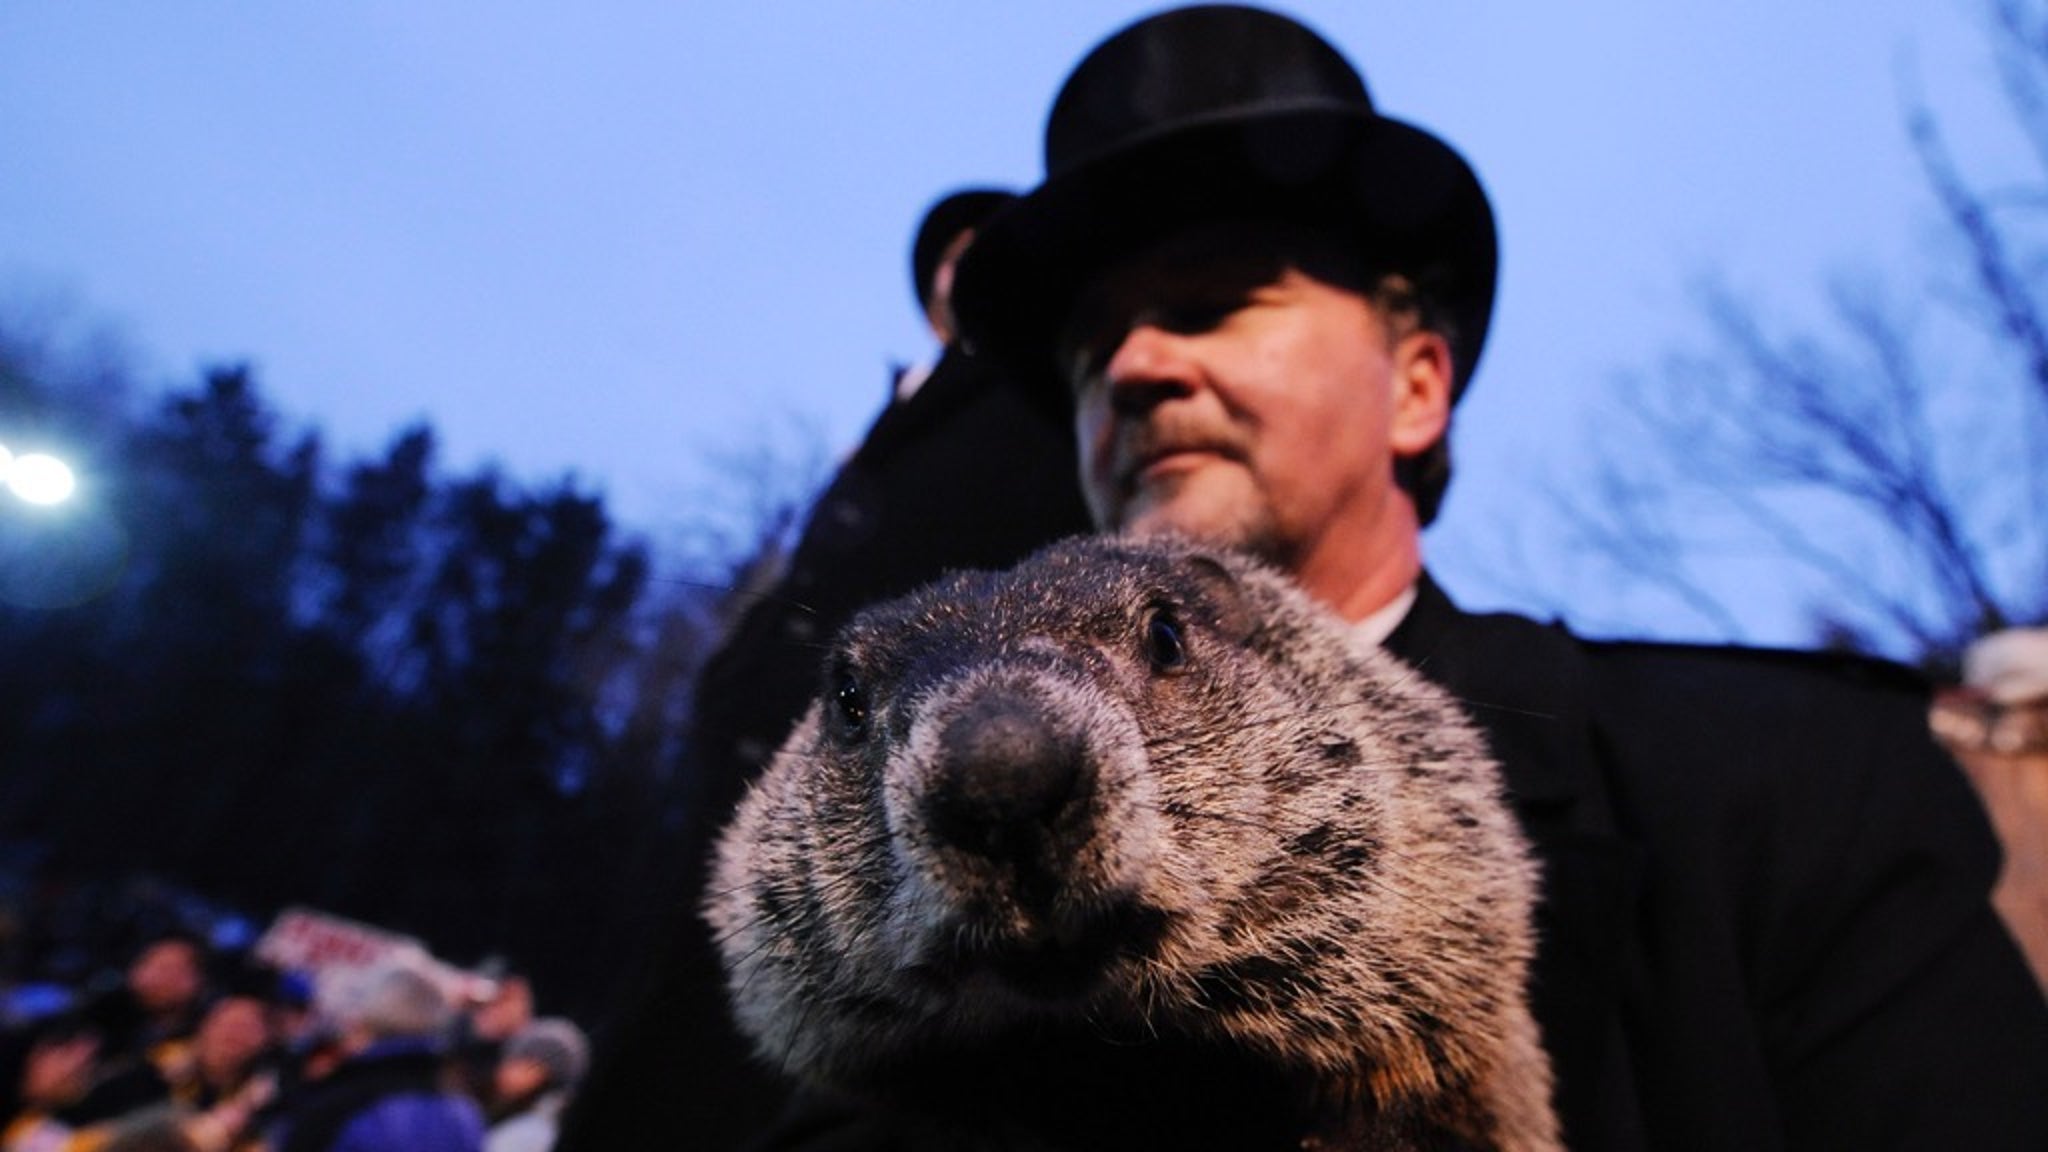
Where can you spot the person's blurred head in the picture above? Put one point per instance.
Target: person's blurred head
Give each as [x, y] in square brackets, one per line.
[234, 1031]
[168, 975]
[548, 1054]
[394, 1001]
[507, 1009]
[943, 234]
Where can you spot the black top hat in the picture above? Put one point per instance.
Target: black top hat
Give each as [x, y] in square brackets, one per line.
[947, 218]
[1216, 112]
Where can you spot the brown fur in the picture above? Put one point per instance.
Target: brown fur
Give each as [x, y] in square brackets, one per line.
[1136, 846]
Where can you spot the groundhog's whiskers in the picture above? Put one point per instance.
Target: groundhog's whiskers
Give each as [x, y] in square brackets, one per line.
[1294, 716]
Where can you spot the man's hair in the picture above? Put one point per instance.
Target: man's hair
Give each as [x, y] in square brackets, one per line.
[556, 1044]
[1409, 305]
[396, 999]
[200, 947]
[1237, 254]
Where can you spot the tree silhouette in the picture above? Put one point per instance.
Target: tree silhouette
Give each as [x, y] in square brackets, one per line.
[1895, 466]
[451, 706]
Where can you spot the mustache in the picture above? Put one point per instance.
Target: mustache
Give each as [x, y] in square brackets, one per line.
[1138, 445]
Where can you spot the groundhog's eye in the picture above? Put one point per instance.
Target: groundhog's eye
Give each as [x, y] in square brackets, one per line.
[850, 705]
[1165, 645]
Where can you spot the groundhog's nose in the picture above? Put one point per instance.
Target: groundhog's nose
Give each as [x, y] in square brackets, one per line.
[1012, 784]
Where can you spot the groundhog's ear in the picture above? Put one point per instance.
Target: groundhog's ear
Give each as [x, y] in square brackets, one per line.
[1224, 605]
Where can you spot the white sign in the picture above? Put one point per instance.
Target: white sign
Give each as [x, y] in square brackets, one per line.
[337, 952]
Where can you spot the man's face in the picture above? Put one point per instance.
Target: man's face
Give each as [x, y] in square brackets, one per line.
[234, 1032]
[166, 976]
[517, 1076]
[939, 311]
[1221, 393]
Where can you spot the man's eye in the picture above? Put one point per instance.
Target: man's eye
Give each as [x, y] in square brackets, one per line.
[1092, 341]
[1200, 316]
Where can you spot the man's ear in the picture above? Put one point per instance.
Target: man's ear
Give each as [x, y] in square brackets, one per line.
[1422, 392]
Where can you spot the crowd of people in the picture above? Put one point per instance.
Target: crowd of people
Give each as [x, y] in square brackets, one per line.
[196, 1049]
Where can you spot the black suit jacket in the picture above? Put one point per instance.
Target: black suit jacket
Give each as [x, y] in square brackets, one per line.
[970, 472]
[1765, 920]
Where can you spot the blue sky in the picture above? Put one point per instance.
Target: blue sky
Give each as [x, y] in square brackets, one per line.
[631, 240]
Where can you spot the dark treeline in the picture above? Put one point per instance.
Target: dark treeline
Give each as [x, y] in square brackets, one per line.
[448, 706]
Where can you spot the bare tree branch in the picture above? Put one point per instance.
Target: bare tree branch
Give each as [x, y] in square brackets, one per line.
[2003, 284]
[2022, 62]
[1907, 478]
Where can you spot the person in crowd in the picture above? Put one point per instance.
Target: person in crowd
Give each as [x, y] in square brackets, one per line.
[387, 1093]
[233, 1043]
[219, 1082]
[537, 1072]
[966, 467]
[932, 486]
[482, 1029]
[147, 1023]
[58, 1070]
[1996, 723]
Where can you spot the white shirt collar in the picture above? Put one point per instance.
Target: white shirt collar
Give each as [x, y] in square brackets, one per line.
[911, 379]
[1381, 624]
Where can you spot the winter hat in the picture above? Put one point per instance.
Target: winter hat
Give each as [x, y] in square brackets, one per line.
[555, 1044]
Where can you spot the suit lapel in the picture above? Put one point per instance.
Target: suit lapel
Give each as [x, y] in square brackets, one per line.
[1526, 685]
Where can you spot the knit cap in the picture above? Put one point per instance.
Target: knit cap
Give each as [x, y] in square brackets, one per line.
[2011, 667]
[555, 1044]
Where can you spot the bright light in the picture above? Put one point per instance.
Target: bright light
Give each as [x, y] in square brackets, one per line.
[38, 477]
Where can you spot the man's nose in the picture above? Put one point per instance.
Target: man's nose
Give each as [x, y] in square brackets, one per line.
[1151, 365]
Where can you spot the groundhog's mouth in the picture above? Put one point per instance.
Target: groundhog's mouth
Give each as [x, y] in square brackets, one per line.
[1063, 958]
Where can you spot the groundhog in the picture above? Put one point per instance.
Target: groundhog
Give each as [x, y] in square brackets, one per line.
[1136, 846]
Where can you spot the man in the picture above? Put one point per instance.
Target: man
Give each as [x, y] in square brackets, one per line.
[387, 1094]
[964, 468]
[230, 1047]
[934, 485]
[942, 237]
[539, 1070]
[481, 1030]
[1764, 920]
[1996, 724]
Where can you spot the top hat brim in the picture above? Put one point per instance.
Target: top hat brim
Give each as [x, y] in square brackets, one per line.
[1405, 197]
